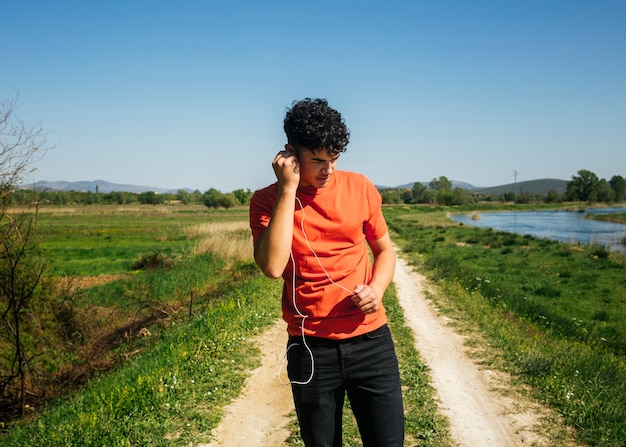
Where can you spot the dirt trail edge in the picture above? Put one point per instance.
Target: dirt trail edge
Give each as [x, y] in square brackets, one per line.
[259, 416]
[479, 414]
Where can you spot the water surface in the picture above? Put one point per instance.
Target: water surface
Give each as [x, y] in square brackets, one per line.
[565, 226]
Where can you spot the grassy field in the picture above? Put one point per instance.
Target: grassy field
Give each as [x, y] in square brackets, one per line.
[143, 292]
[555, 312]
[611, 217]
[143, 329]
[140, 330]
[108, 239]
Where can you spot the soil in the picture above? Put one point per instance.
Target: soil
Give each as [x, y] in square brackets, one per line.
[482, 406]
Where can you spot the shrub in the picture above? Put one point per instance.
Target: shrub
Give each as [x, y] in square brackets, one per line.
[153, 261]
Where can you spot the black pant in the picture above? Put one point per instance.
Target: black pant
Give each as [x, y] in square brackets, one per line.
[366, 369]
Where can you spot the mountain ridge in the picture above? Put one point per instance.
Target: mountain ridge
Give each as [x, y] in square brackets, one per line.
[102, 186]
[539, 186]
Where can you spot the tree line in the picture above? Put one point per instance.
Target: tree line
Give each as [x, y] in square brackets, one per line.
[212, 198]
[586, 186]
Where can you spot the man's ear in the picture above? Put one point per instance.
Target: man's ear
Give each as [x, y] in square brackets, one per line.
[290, 148]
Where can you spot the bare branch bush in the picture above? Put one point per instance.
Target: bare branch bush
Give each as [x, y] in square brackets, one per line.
[20, 145]
[21, 267]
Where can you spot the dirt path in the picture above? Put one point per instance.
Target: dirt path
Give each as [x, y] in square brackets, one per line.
[479, 415]
[468, 396]
[260, 415]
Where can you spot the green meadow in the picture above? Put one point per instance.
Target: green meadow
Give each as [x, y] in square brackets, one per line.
[139, 332]
[142, 329]
[553, 315]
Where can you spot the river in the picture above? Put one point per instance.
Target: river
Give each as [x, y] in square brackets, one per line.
[565, 226]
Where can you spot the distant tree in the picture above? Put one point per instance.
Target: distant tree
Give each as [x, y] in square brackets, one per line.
[196, 197]
[583, 187]
[553, 197]
[211, 198]
[430, 196]
[524, 197]
[445, 197]
[228, 200]
[440, 184]
[618, 184]
[184, 196]
[509, 197]
[419, 192]
[150, 198]
[406, 196]
[90, 198]
[243, 197]
[604, 192]
[214, 198]
[461, 196]
[121, 197]
[391, 196]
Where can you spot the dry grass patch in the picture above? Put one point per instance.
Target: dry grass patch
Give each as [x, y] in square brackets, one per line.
[71, 284]
[231, 240]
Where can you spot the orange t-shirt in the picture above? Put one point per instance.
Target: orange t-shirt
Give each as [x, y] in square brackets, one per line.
[330, 256]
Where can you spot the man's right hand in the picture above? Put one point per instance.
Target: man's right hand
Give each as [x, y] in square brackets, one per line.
[287, 168]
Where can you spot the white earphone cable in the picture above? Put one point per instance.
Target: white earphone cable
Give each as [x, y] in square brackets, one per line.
[304, 317]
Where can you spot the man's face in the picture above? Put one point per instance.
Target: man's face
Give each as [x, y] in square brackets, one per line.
[316, 167]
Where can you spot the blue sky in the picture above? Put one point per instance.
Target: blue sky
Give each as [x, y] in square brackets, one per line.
[192, 94]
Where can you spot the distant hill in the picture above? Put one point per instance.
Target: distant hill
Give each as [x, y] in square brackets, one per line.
[102, 185]
[538, 187]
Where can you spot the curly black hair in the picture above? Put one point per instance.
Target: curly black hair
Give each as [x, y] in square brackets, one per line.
[312, 124]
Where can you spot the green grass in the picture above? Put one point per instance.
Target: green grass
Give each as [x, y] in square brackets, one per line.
[423, 425]
[92, 240]
[611, 217]
[71, 333]
[556, 312]
[173, 383]
[172, 392]
[552, 314]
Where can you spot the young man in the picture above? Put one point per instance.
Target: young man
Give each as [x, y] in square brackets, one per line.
[312, 228]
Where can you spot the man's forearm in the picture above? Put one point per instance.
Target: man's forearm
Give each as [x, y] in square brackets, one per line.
[382, 271]
[272, 250]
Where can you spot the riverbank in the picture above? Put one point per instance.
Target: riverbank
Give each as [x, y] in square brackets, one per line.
[612, 217]
[595, 226]
[556, 311]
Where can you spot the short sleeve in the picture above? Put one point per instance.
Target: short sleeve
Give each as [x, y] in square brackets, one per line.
[260, 211]
[375, 227]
